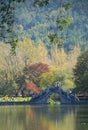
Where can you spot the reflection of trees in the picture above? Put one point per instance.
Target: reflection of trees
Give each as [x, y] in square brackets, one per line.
[55, 117]
[55, 112]
[37, 117]
[82, 118]
[12, 118]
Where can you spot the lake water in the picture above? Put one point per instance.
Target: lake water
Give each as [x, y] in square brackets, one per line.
[44, 117]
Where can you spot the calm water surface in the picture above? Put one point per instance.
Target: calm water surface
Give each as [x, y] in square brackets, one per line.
[43, 117]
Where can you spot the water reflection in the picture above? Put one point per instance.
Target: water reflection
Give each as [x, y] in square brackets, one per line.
[82, 118]
[43, 117]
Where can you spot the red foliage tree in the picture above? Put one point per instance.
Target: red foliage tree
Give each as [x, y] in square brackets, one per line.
[34, 71]
[32, 88]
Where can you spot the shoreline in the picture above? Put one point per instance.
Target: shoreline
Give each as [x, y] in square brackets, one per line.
[81, 102]
[14, 103]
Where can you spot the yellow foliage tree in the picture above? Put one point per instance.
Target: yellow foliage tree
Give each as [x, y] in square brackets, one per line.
[49, 78]
[72, 57]
[42, 53]
[26, 51]
[59, 57]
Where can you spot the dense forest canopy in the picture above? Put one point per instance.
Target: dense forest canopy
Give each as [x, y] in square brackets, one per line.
[36, 21]
[39, 22]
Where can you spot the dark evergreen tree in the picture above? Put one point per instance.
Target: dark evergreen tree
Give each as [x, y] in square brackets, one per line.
[81, 73]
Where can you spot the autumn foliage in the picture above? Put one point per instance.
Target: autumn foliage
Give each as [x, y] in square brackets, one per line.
[32, 88]
[37, 69]
[33, 67]
[33, 71]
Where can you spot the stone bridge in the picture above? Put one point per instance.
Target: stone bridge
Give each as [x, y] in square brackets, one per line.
[65, 97]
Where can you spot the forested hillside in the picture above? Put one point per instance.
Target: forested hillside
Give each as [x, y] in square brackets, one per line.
[37, 22]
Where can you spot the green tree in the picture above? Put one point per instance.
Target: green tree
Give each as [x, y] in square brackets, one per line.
[81, 73]
[50, 77]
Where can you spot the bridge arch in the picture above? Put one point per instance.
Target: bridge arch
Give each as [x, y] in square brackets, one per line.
[65, 98]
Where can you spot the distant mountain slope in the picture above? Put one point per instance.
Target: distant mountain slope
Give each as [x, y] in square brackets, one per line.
[37, 23]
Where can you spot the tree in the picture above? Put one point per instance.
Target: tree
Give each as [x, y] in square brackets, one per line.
[41, 53]
[26, 51]
[12, 78]
[32, 88]
[34, 71]
[72, 57]
[81, 73]
[49, 78]
[10, 71]
[59, 57]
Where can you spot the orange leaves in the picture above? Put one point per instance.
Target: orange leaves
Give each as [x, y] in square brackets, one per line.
[32, 87]
[32, 74]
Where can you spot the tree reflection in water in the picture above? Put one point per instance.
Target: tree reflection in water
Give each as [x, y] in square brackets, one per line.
[43, 117]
